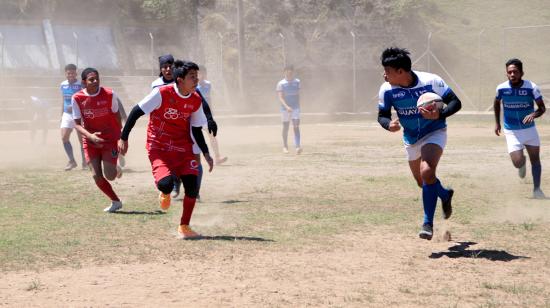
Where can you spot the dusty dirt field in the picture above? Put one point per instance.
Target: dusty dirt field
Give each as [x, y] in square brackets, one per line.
[336, 226]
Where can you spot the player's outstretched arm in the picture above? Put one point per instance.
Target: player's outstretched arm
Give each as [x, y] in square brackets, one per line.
[453, 105]
[134, 115]
[541, 109]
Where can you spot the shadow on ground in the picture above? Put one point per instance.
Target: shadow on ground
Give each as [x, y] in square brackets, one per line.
[157, 212]
[461, 251]
[232, 238]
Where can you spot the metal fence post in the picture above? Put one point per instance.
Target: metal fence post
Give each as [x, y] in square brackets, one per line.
[152, 53]
[354, 70]
[283, 48]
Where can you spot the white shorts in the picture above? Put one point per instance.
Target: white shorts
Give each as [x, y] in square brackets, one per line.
[517, 139]
[67, 120]
[438, 137]
[294, 115]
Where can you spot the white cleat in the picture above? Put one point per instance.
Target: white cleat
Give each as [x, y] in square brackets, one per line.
[115, 206]
[538, 194]
[285, 150]
[298, 151]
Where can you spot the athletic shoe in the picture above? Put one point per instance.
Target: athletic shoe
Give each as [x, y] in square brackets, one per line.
[538, 194]
[121, 160]
[221, 160]
[185, 232]
[426, 233]
[70, 165]
[118, 172]
[522, 171]
[298, 150]
[285, 150]
[164, 201]
[115, 206]
[447, 207]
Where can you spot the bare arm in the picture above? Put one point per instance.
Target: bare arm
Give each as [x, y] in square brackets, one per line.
[541, 108]
[496, 107]
[283, 102]
[92, 137]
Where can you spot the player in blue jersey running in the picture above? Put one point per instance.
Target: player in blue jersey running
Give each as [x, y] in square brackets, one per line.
[288, 92]
[68, 88]
[424, 131]
[517, 97]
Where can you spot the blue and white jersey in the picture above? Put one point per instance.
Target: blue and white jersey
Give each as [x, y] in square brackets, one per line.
[159, 82]
[517, 103]
[204, 87]
[67, 91]
[291, 92]
[403, 100]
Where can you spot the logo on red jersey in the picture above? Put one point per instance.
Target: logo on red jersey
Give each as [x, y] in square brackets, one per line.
[88, 113]
[194, 164]
[174, 114]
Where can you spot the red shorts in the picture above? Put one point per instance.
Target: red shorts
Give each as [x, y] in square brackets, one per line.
[172, 163]
[107, 153]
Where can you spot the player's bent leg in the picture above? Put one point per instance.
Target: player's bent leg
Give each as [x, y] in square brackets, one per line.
[518, 160]
[84, 164]
[430, 155]
[191, 191]
[165, 185]
[414, 165]
[65, 138]
[105, 186]
[286, 125]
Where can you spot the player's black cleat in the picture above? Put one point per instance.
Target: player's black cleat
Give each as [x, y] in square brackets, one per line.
[426, 233]
[447, 207]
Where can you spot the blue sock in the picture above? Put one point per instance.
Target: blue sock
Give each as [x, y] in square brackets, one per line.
[442, 192]
[429, 200]
[199, 178]
[536, 170]
[69, 150]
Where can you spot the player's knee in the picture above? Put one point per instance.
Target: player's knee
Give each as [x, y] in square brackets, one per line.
[190, 185]
[427, 173]
[98, 178]
[166, 184]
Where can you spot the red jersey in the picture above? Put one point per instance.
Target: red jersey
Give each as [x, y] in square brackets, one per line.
[98, 113]
[169, 126]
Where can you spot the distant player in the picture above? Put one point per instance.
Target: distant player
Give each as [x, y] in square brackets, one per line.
[68, 88]
[205, 88]
[175, 113]
[424, 131]
[97, 118]
[288, 92]
[517, 96]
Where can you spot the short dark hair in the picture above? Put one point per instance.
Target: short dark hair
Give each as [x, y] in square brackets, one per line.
[70, 67]
[397, 58]
[517, 62]
[87, 71]
[181, 71]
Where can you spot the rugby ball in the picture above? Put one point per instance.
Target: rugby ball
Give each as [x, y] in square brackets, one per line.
[430, 101]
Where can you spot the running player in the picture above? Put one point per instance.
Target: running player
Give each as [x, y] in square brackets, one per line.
[167, 65]
[97, 118]
[424, 131]
[205, 88]
[68, 88]
[288, 92]
[517, 97]
[175, 113]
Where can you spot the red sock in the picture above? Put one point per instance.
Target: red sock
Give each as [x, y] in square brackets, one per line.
[106, 188]
[188, 206]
